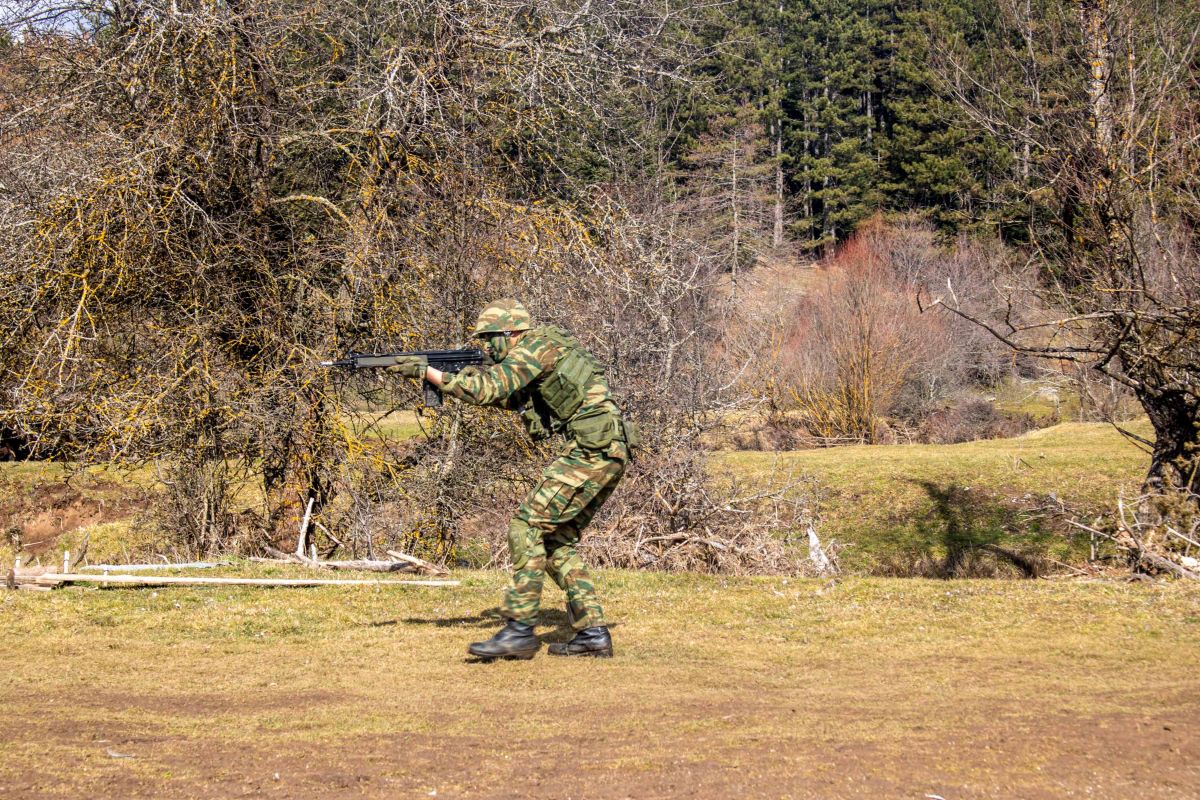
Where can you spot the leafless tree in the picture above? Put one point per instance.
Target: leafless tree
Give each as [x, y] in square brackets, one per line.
[1100, 110]
[202, 199]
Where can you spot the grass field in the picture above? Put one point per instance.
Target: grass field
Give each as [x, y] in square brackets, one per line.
[896, 504]
[891, 508]
[871, 688]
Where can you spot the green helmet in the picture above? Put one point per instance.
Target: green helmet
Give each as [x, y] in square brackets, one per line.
[503, 315]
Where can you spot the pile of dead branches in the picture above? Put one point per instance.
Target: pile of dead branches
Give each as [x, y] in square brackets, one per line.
[1158, 533]
[673, 516]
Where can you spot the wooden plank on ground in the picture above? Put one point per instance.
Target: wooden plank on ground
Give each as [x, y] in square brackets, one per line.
[152, 567]
[360, 566]
[51, 579]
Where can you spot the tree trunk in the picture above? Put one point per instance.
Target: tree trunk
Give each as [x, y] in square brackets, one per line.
[1175, 460]
[1094, 18]
[828, 232]
[777, 230]
[735, 196]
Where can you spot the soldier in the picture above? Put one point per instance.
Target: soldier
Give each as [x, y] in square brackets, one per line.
[559, 388]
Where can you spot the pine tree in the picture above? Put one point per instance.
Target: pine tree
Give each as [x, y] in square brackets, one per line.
[728, 190]
[932, 158]
[856, 114]
[743, 102]
[832, 121]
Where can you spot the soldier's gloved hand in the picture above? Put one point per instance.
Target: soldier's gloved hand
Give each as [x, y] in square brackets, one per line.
[410, 366]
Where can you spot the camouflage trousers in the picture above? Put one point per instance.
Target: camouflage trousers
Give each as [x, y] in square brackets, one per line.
[543, 534]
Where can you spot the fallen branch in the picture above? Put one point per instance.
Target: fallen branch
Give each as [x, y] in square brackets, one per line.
[1076, 570]
[140, 567]
[369, 565]
[83, 548]
[1129, 539]
[304, 527]
[363, 566]
[421, 564]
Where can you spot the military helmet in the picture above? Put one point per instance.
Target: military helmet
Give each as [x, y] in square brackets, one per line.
[502, 315]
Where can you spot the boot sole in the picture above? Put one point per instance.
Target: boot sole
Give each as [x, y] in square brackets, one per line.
[608, 653]
[505, 656]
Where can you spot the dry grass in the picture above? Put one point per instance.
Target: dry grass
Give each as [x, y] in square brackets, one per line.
[1043, 401]
[397, 425]
[866, 688]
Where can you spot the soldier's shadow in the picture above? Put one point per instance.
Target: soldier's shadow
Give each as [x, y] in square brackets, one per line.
[561, 625]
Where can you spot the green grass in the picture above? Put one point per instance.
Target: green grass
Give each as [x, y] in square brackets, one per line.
[904, 501]
[893, 507]
[1043, 402]
[52, 507]
[33, 489]
[396, 426]
[863, 688]
[98, 481]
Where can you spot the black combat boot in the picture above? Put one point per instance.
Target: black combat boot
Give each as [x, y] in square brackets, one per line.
[514, 640]
[588, 642]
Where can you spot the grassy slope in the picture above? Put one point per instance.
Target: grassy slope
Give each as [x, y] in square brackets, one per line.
[39, 495]
[900, 501]
[748, 687]
[890, 505]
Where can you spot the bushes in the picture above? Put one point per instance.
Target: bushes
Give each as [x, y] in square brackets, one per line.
[203, 200]
[857, 349]
[970, 419]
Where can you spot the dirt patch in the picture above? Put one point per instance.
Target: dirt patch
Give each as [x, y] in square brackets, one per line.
[1057, 756]
[34, 517]
[127, 763]
[212, 703]
[721, 688]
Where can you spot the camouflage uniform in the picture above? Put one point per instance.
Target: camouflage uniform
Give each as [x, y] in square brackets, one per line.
[542, 536]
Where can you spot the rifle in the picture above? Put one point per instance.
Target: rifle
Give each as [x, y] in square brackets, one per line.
[444, 360]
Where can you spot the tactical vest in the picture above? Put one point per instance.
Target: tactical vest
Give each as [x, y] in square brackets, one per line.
[556, 404]
[567, 385]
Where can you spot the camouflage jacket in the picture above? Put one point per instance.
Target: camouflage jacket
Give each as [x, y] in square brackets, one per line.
[523, 379]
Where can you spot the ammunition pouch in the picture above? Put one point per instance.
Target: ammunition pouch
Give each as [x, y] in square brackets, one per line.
[595, 430]
[633, 436]
[565, 388]
[535, 424]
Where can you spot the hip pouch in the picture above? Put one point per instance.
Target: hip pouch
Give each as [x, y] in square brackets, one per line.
[633, 435]
[535, 424]
[594, 430]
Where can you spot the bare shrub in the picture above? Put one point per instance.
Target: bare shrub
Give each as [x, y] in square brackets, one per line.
[433, 494]
[966, 355]
[195, 507]
[1101, 398]
[856, 350]
[205, 199]
[970, 419]
[852, 345]
[687, 523]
